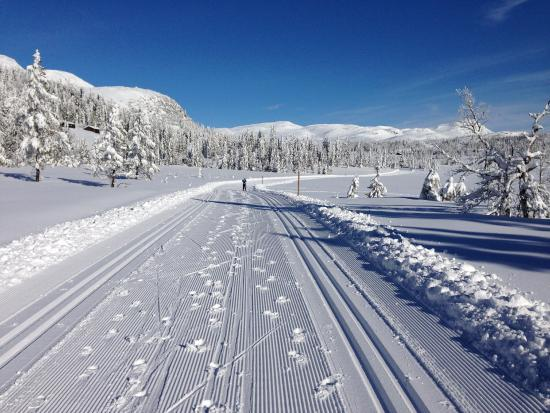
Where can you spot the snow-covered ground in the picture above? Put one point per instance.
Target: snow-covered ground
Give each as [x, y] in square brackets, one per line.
[186, 293]
[66, 194]
[516, 249]
[503, 323]
[242, 302]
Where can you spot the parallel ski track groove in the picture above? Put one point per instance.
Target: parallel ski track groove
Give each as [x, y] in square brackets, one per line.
[388, 400]
[470, 381]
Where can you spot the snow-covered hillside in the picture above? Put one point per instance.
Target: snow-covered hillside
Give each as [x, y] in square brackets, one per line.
[351, 132]
[8, 62]
[165, 107]
[68, 79]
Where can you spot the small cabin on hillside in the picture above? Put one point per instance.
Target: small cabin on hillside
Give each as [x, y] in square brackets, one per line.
[90, 128]
[70, 125]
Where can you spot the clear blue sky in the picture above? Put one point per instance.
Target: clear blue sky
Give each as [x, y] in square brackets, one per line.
[393, 62]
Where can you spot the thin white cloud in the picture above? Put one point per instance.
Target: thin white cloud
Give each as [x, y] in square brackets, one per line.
[275, 106]
[501, 10]
[542, 76]
[463, 67]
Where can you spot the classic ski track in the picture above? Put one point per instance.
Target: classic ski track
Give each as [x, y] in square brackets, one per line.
[465, 377]
[391, 386]
[120, 358]
[22, 334]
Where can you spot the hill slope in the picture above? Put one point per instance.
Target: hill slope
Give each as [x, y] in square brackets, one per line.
[352, 132]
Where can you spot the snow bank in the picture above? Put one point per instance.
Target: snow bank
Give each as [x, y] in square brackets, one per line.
[511, 329]
[23, 258]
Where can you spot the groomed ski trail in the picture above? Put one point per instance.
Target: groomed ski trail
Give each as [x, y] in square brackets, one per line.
[243, 304]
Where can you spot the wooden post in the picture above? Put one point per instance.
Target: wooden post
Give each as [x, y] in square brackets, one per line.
[298, 182]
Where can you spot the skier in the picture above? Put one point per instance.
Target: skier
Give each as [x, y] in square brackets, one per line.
[244, 184]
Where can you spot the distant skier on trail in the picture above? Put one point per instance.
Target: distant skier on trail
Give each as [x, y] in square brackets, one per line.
[244, 184]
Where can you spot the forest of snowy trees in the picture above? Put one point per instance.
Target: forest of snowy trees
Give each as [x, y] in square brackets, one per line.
[136, 139]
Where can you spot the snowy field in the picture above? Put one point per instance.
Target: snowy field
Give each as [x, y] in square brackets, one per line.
[207, 298]
[517, 250]
[67, 194]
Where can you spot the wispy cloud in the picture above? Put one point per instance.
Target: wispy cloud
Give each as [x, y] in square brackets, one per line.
[542, 76]
[466, 66]
[275, 106]
[501, 10]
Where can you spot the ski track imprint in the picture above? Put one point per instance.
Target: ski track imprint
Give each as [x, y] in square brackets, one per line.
[206, 347]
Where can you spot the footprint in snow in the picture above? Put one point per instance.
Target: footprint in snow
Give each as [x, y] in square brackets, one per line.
[217, 295]
[271, 262]
[135, 304]
[197, 346]
[118, 317]
[282, 300]
[123, 293]
[37, 403]
[262, 287]
[214, 322]
[298, 335]
[195, 306]
[258, 269]
[327, 386]
[196, 295]
[90, 371]
[86, 351]
[111, 333]
[271, 279]
[139, 366]
[167, 321]
[299, 358]
[271, 314]
[216, 308]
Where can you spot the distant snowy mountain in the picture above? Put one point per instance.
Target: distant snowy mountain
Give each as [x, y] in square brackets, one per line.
[352, 132]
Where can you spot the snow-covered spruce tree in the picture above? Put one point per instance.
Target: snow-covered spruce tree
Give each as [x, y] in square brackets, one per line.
[353, 188]
[377, 188]
[430, 188]
[448, 192]
[109, 149]
[501, 165]
[44, 143]
[141, 159]
[460, 188]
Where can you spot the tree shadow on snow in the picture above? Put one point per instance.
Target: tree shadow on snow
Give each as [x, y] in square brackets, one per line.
[83, 182]
[516, 250]
[20, 176]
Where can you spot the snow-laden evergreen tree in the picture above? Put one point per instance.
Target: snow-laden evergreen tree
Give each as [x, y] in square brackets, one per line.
[353, 188]
[448, 192]
[460, 188]
[377, 188]
[504, 168]
[44, 142]
[142, 154]
[430, 188]
[108, 151]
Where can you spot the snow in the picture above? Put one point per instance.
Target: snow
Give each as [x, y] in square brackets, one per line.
[9, 63]
[67, 78]
[514, 248]
[503, 323]
[124, 95]
[23, 258]
[42, 237]
[319, 132]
